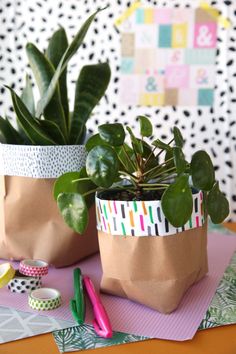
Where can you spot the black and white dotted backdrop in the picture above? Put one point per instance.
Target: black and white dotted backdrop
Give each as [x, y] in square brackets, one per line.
[213, 129]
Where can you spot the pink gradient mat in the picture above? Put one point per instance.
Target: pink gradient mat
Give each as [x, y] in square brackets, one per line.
[130, 317]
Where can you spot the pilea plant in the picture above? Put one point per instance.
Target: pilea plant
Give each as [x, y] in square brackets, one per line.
[140, 171]
[51, 122]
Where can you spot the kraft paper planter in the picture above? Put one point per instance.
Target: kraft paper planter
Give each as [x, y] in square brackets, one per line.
[144, 258]
[30, 223]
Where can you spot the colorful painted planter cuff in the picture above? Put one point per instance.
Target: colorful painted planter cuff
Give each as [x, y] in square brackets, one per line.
[142, 218]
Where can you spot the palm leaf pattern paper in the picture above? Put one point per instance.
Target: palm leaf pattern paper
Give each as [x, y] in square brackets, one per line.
[84, 337]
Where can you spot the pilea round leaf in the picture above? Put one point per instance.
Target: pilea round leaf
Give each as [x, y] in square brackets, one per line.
[217, 205]
[102, 166]
[179, 140]
[177, 202]
[74, 211]
[202, 171]
[145, 126]
[64, 184]
[113, 134]
[93, 141]
[179, 159]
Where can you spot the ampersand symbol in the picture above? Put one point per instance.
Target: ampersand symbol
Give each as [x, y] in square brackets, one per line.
[204, 38]
[151, 84]
[176, 56]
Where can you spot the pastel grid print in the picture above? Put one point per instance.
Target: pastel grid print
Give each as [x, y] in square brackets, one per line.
[33, 268]
[142, 218]
[166, 53]
[44, 299]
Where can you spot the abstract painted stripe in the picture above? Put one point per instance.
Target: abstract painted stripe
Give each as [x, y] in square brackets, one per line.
[98, 215]
[166, 225]
[196, 205]
[150, 214]
[114, 206]
[105, 211]
[109, 206]
[144, 208]
[131, 217]
[123, 229]
[197, 221]
[114, 224]
[135, 206]
[159, 214]
[156, 230]
[122, 210]
[190, 223]
[141, 222]
[104, 223]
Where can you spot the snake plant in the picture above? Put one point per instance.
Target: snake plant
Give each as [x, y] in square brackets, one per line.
[50, 122]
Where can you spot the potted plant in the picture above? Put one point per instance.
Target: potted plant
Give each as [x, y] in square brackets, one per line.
[152, 208]
[47, 142]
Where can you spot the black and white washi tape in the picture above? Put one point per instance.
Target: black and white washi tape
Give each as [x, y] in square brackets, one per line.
[24, 284]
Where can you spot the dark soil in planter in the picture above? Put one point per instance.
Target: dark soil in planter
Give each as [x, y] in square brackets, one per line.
[127, 196]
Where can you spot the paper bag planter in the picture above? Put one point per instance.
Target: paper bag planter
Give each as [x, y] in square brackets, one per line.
[144, 258]
[31, 225]
[151, 212]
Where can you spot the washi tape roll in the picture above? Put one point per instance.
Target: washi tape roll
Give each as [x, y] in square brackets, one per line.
[44, 299]
[33, 268]
[24, 284]
[7, 272]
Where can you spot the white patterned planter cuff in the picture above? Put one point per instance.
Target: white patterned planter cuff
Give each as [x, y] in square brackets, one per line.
[142, 218]
[40, 161]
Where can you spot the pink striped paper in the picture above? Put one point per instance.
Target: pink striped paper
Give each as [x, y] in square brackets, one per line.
[130, 317]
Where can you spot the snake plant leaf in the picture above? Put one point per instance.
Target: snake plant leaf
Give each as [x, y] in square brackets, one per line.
[161, 145]
[112, 134]
[43, 72]
[28, 123]
[136, 143]
[90, 88]
[53, 131]
[102, 165]
[179, 140]
[179, 160]
[10, 134]
[202, 171]
[27, 95]
[217, 205]
[71, 50]
[75, 182]
[177, 201]
[74, 211]
[146, 128]
[57, 46]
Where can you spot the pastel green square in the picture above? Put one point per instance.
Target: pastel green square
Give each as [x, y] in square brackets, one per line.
[127, 65]
[199, 56]
[205, 97]
[165, 36]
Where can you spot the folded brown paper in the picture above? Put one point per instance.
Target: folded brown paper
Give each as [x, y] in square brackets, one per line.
[155, 271]
[32, 227]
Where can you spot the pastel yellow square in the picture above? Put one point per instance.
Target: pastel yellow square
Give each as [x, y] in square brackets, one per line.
[179, 35]
[151, 99]
[148, 16]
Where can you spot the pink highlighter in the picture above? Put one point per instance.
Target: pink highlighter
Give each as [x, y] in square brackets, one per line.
[101, 321]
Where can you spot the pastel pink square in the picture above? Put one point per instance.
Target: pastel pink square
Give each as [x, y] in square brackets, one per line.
[188, 97]
[205, 35]
[177, 76]
[163, 16]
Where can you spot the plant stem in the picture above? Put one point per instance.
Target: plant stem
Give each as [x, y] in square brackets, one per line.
[128, 157]
[153, 184]
[159, 153]
[159, 174]
[158, 166]
[80, 179]
[150, 155]
[90, 192]
[126, 173]
[154, 189]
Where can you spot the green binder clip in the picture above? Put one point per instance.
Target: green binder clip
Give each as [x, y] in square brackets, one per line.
[77, 304]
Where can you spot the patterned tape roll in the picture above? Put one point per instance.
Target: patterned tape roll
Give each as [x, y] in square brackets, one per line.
[44, 299]
[7, 272]
[23, 284]
[33, 268]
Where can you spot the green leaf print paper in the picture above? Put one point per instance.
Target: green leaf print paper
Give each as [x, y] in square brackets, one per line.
[84, 337]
